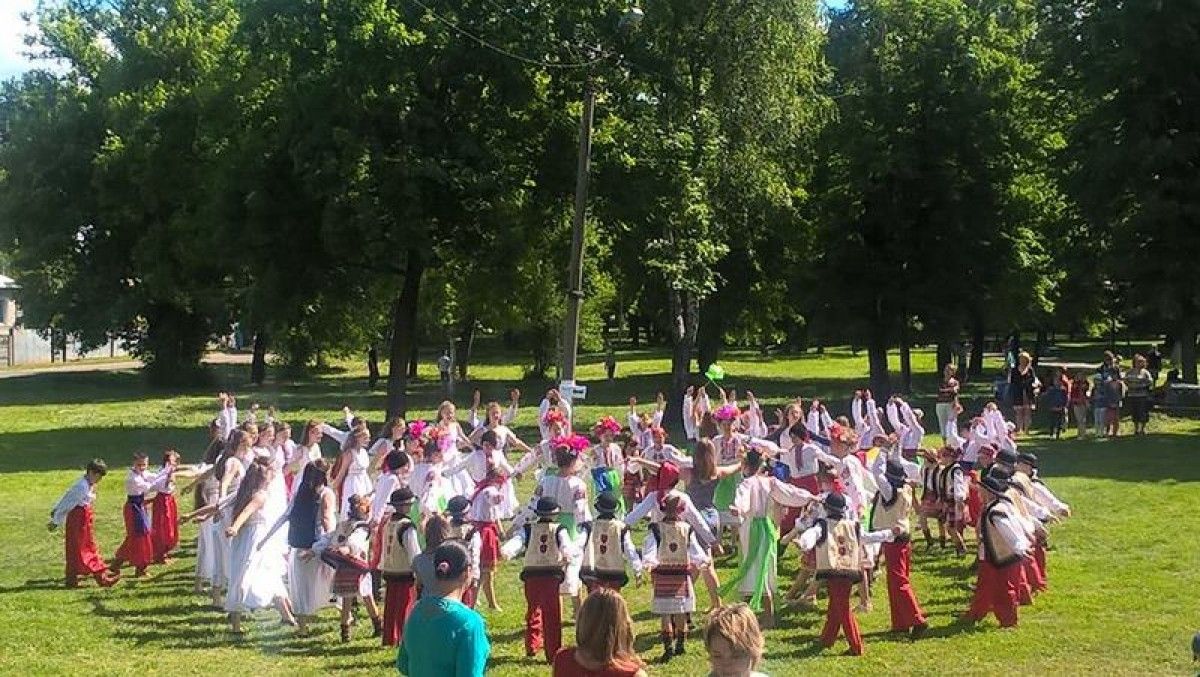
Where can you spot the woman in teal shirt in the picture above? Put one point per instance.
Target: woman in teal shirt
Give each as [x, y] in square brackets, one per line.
[443, 637]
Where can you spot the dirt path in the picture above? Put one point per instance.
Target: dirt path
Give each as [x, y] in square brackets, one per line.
[111, 365]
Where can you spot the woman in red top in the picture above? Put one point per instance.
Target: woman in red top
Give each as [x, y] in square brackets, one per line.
[604, 632]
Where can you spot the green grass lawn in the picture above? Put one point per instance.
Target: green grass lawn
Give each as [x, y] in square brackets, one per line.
[1124, 572]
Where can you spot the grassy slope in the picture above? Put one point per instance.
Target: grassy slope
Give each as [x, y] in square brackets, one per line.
[1123, 572]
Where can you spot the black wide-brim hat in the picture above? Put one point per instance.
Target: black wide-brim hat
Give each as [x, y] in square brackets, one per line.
[546, 506]
[607, 501]
[401, 496]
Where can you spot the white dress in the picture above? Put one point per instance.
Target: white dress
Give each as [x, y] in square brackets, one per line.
[255, 576]
[218, 540]
[357, 481]
[310, 581]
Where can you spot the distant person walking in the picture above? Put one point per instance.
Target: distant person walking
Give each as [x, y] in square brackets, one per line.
[1138, 383]
[947, 400]
[443, 364]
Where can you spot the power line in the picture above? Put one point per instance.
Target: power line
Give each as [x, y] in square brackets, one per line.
[504, 52]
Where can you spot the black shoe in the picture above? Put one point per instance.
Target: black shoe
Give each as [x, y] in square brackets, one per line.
[679, 646]
[345, 632]
[918, 631]
[667, 652]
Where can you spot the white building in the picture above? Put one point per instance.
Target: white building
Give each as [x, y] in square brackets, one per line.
[21, 345]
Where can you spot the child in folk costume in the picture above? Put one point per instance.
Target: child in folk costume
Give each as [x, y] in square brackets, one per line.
[756, 496]
[838, 541]
[489, 505]
[350, 477]
[890, 510]
[952, 482]
[541, 458]
[570, 492]
[640, 424]
[930, 505]
[346, 549]
[313, 513]
[432, 489]
[462, 529]
[400, 546]
[660, 488]
[1025, 477]
[548, 549]
[673, 554]
[606, 546]
[164, 518]
[660, 452]
[138, 546]
[608, 463]
[1031, 517]
[396, 466]
[74, 510]
[1002, 547]
[488, 455]
[632, 484]
[801, 457]
[255, 575]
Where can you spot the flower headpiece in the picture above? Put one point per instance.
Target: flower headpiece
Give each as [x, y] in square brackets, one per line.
[576, 443]
[726, 412]
[553, 416]
[607, 424]
[417, 428]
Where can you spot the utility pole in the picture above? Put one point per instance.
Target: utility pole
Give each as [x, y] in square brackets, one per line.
[570, 344]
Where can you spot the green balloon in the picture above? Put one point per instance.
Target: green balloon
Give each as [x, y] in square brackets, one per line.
[715, 372]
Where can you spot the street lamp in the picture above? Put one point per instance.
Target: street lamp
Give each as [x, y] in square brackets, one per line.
[630, 20]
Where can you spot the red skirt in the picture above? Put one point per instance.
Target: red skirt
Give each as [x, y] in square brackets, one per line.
[83, 557]
[137, 549]
[164, 526]
[974, 501]
[489, 544]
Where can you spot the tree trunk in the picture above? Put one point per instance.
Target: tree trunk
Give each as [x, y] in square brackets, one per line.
[258, 363]
[1039, 346]
[404, 325]
[881, 385]
[635, 337]
[905, 358]
[685, 314]
[414, 355]
[945, 355]
[372, 366]
[1187, 351]
[975, 368]
[462, 348]
[708, 338]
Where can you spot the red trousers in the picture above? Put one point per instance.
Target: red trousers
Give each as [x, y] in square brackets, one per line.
[543, 615]
[906, 612]
[790, 515]
[397, 603]
[1039, 556]
[996, 592]
[137, 549]
[838, 617]
[1024, 589]
[83, 557]
[164, 526]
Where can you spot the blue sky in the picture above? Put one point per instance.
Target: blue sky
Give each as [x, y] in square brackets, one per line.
[13, 62]
[12, 32]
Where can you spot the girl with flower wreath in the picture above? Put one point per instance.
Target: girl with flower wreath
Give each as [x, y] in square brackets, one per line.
[608, 462]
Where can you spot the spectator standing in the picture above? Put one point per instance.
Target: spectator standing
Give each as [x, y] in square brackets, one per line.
[1138, 382]
[1023, 388]
[444, 363]
[1080, 389]
[947, 399]
[443, 636]
[1154, 361]
[610, 363]
[1057, 399]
